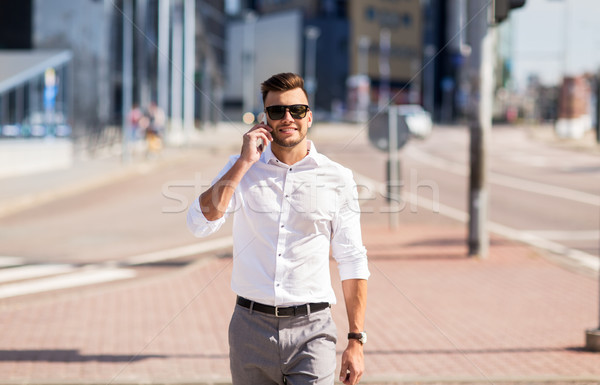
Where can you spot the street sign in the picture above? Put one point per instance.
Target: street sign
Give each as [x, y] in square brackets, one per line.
[379, 131]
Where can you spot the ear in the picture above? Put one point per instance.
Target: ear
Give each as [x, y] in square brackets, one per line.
[310, 118]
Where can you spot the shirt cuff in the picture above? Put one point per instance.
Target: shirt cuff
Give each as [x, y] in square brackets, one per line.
[357, 269]
[198, 224]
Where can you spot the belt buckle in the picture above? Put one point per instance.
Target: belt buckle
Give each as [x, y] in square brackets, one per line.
[278, 315]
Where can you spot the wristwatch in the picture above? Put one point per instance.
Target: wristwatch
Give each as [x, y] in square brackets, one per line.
[361, 337]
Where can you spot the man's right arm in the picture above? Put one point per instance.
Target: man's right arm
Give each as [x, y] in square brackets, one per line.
[206, 215]
[214, 201]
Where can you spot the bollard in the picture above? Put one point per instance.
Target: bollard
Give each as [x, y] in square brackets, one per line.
[592, 340]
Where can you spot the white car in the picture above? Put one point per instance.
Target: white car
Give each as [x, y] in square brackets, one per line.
[417, 119]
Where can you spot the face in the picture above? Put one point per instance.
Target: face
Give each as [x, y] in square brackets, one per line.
[287, 131]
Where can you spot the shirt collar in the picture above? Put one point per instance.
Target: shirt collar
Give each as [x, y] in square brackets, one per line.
[313, 155]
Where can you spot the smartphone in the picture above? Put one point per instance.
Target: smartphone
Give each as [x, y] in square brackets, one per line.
[261, 142]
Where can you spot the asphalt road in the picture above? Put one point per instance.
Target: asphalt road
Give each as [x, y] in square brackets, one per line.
[542, 192]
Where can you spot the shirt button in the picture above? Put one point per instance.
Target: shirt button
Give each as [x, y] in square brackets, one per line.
[287, 196]
[280, 254]
[290, 169]
[282, 226]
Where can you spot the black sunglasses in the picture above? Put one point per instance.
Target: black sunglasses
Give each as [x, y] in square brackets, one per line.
[298, 111]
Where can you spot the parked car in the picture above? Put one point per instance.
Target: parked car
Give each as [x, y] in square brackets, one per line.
[417, 119]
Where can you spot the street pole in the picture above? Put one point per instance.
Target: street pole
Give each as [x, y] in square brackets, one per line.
[206, 91]
[598, 107]
[481, 74]
[364, 42]
[106, 100]
[248, 62]
[164, 19]
[176, 129]
[394, 169]
[312, 33]
[142, 53]
[189, 53]
[127, 77]
[385, 37]
[363, 85]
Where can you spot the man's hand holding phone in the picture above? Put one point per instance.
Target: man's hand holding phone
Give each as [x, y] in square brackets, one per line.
[256, 139]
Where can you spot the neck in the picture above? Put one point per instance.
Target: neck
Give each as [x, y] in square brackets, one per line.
[290, 155]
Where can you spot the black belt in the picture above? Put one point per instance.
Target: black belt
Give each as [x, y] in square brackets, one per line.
[278, 311]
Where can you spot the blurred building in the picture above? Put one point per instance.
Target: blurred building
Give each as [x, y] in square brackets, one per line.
[34, 85]
[258, 47]
[15, 25]
[574, 113]
[409, 51]
[394, 32]
[266, 37]
[92, 31]
[347, 39]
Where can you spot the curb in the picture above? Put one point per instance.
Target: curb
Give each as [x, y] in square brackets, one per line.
[114, 174]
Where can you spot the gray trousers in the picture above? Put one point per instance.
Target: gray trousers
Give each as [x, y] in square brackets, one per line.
[264, 349]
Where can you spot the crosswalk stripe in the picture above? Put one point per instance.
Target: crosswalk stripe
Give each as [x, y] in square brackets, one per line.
[62, 276]
[81, 278]
[6, 261]
[33, 271]
[179, 252]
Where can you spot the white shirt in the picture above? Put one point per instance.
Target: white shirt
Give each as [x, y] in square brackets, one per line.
[285, 218]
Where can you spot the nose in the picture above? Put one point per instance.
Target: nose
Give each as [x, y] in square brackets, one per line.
[287, 116]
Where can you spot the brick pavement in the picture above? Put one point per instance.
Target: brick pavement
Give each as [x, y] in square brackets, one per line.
[433, 316]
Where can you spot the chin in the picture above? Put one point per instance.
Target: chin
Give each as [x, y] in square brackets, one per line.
[288, 142]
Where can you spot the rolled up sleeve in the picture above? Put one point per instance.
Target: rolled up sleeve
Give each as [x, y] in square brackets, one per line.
[198, 224]
[346, 243]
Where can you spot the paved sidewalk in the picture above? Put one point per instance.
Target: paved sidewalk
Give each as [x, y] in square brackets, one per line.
[434, 316]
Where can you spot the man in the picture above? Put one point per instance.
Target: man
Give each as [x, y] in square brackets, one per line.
[290, 205]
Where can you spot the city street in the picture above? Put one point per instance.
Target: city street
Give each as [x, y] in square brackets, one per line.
[116, 115]
[547, 193]
[106, 284]
[539, 192]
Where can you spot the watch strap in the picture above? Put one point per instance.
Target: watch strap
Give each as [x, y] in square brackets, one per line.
[354, 336]
[361, 337]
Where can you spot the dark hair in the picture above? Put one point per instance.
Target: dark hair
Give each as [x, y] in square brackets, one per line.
[282, 82]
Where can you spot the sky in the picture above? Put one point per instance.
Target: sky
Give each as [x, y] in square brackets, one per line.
[555, 37]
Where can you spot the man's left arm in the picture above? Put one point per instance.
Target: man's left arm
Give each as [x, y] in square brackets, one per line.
[355, 297]
[351, 255]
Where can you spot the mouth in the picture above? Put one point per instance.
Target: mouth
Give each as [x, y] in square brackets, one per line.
[286, 130]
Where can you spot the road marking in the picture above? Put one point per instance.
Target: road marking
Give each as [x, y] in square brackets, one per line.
[437, 162]
[579, 257]
[509, 181]
[72, 276]
[576, 235]
[545, 189]
[531, 160]
[81, 278]
[33, 271]
[6, 261]
[179, 252]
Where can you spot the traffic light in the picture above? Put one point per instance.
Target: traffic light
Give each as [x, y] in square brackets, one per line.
[502, 7]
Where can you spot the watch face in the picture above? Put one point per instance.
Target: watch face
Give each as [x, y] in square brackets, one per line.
[363, 338]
